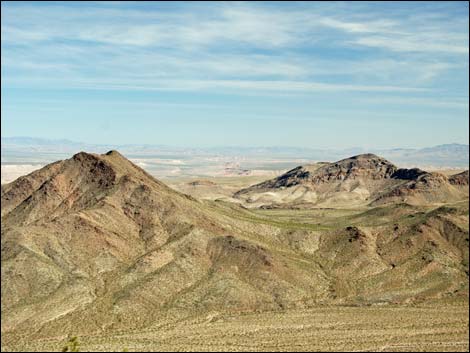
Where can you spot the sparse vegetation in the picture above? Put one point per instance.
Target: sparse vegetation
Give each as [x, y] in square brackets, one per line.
[428, 327]
[72, 345]
[96, 245]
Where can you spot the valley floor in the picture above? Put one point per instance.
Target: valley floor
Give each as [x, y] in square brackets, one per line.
[430, 327]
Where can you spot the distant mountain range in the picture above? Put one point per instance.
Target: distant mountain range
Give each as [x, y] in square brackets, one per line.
[28, 148]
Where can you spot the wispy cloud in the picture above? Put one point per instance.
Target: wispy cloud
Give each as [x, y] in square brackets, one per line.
[360, 27]
[412, 44]
[236, 23]
[401, 54]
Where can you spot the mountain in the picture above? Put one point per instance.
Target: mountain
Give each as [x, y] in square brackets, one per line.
[354, 181]
[94, 244]
[95, 233]
[440, 156]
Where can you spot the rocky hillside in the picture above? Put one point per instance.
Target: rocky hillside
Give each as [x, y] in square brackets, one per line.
[94, 243]
[361, 166]
[358, 180]
[96, 239]
[460, 179]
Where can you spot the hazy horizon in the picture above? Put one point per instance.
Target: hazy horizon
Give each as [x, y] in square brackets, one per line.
[315, 75]
[21, 155]
[156, 144]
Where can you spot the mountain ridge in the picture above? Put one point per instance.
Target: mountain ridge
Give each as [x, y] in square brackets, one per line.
[94, 242]
[367, 174]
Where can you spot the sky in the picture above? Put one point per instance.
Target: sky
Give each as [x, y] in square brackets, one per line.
[202, 74]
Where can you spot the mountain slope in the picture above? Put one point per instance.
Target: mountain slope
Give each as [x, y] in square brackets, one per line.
[354, 181]
[96, 232]
[94, 243]
[460, 179]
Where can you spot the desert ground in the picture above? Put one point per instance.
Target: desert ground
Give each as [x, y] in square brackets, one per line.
[433, 327]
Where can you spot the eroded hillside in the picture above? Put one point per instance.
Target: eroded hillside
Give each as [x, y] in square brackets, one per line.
[353, 182]
[95, 243]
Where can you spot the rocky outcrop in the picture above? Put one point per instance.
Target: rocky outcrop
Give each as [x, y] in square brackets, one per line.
[408, 174]
[367, 166]
[362, 166]
[460, 179]
[361, 179]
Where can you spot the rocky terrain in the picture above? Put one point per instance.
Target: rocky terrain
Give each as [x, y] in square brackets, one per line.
[96, 233]
[95, 245]
[459, 179]
[355, 181]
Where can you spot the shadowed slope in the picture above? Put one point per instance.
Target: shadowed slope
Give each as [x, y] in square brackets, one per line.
[354, 181]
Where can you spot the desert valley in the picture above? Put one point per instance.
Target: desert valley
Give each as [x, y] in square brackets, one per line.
[95, 247]
[229, 176]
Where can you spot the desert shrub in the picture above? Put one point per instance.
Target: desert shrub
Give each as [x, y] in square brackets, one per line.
[72, 345]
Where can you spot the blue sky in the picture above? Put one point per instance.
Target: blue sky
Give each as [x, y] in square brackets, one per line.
[311, 74]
